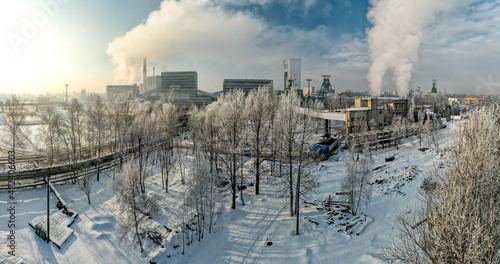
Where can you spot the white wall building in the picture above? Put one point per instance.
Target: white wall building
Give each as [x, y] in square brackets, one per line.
[292, 70]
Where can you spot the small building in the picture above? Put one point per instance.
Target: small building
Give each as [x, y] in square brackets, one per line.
[308, 91]
[246, 85]
[364, 111]
[116, 90]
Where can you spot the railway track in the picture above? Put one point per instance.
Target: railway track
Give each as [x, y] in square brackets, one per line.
[25, 157]
[35, 177]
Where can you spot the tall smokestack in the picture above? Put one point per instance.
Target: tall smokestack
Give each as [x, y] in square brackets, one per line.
[144, 74]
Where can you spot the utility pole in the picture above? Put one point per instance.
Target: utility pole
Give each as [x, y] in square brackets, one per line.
[66, 95]
[48, 209]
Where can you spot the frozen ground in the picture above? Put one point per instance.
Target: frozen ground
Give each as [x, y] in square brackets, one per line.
[240, 235]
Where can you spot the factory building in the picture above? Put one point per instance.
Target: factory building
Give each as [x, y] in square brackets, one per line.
[292, 71]
[116, 90]
[179, 87]
[364, 111]
[153, 82]
[398, 107]
[246, 85]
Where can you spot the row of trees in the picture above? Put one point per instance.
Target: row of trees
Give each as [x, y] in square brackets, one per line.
[261, 127]
[269, 129]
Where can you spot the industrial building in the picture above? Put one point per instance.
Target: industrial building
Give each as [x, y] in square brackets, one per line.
[292, 72]
[153, 82]
[398, 107]
[246, 85]
[364, 110]
[179, 87]
[115, 90]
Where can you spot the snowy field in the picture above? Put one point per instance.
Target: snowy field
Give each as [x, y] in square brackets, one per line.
[241, 235]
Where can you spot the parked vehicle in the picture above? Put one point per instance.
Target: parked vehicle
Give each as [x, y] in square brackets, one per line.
[324, 148]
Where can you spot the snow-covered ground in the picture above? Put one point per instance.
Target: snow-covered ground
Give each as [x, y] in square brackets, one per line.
[240, 235]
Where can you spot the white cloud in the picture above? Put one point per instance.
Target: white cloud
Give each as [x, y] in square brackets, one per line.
[461, 49]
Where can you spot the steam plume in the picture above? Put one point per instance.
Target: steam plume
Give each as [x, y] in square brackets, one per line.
[191, 29]
[398, 29]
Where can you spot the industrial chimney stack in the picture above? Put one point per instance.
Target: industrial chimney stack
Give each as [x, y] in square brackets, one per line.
[144, 74]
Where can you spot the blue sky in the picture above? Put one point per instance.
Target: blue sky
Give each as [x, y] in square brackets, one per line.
[90, 44]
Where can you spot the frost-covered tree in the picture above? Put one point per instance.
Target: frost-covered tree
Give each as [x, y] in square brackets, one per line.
[306, 181]
[420, 126]
[135, 206]
[359, 134]
[85, 184]
[398, 130]
[258, 106]
[96, 121]
[458, 220]
[295, 128]
[49, 132]
[356, 184]
[287, 122]
[140, 136]
[72, 133]
[204, 123]
[14, 114]
[230, 119]
[168, 130]
[202, 192]
[119, 110]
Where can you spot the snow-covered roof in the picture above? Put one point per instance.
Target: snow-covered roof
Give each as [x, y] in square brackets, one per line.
[358, 109]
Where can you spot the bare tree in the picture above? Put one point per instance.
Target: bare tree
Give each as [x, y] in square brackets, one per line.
[230, 123]
[288, 124]
[356, 182]
[202, 192]
[85, 184]
[305, 179]
[398, 130]
[14, 114]
[168, 122]
[427, 131]
[72, 132]
[119, 110]
[139, 137]
[258, 105]
[295, 128]
[181, 161]
[458, 220]
[359, 134]
[420, 126]
[135, 206]
[95, 111]
[333, 102]
[49, 132]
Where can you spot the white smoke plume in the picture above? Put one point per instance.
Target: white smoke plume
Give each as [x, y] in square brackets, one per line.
[399, 27]
[194, 29]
